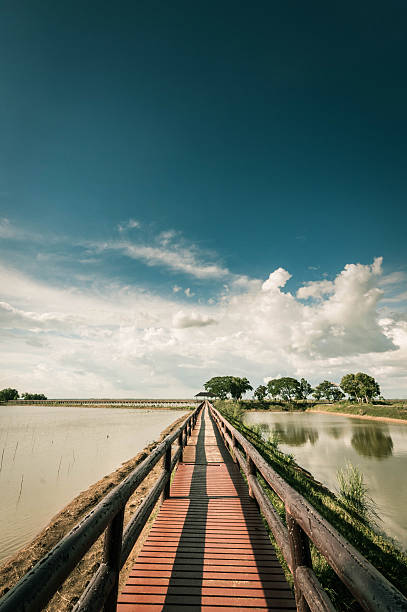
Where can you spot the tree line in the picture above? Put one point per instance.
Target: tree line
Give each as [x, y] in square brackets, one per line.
[8, 394]
[359, 387]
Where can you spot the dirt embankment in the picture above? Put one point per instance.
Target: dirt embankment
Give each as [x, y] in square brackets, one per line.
[68, 517]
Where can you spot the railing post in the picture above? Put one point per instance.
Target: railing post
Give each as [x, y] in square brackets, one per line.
[181, 445]
[233, 448]
[112, 554]
[167, 469]
[300, 555]
[251, 471]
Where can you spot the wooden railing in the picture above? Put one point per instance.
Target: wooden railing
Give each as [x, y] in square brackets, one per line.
[37, 587]
[304, 524]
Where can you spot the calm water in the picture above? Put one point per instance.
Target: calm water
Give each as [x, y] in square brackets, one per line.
[322, 443]
[53, 453]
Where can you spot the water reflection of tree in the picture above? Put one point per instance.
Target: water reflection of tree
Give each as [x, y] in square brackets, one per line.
[296, 435]
[335, 432]
[372, 442]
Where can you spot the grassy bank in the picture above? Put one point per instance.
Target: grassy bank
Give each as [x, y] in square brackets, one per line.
[378, 549]
[384, 410]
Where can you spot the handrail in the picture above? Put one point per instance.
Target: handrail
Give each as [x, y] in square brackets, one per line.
[371, 589]
[37, 587]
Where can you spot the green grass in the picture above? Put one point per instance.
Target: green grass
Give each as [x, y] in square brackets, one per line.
[354, 493]
[392, 411]
[272, 405]
[377, 548]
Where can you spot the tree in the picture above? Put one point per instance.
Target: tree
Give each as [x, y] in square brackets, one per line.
[272, 388]
[8, 394]
[317, 393]
[305, 389]
[222, 386]
[368, 387]
[239, 386]
[350, 386]
[336, 393]
[328, 390]
[260, 393]
[218, 386]
[285, 388]
[33, 396]
[289, 388]
[360, 386]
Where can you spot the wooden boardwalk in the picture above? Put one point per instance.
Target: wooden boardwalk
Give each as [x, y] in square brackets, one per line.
[207, 548]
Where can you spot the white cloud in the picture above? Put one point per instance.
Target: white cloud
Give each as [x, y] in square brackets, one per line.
[401, 297]
[120, 341]
[166, 237]
[183, 319]
[394, 278]
[178, 259]
[130, 224]
[315, 289]
[10, 316]
[168, 249]
[277, 279]
[7, 230]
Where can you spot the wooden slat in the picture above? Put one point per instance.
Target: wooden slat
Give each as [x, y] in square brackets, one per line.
[207, 549]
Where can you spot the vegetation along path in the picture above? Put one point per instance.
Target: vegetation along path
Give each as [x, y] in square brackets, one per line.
[208, 548]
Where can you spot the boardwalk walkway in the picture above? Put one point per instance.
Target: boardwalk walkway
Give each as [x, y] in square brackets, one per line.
[207, 549]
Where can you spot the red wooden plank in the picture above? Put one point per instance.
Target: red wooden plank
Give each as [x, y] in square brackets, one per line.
[211, 591]
[233, 574]
[202, 600]
[211, 567]
[208, 582]
[218, 547]
[131, 607]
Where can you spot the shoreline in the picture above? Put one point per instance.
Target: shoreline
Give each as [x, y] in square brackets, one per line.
[347, 414]
[14, 568]
[356, 416]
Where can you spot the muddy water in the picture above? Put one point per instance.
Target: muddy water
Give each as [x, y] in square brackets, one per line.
[322, 443]
[50, 454]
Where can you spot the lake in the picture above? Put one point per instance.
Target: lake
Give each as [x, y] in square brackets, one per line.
[50, 454]
[322, 443]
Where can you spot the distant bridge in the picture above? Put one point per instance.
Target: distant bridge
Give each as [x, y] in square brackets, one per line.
[109, 402]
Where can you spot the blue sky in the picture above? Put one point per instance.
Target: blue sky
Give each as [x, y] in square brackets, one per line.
[158, 161]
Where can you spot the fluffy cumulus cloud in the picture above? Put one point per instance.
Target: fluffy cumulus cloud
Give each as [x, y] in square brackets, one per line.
[277, 279]
[315, 289]
[183, 319]
[120, 341]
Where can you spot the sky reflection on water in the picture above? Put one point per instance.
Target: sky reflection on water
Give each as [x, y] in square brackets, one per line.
[322, 443]
[54, 453]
